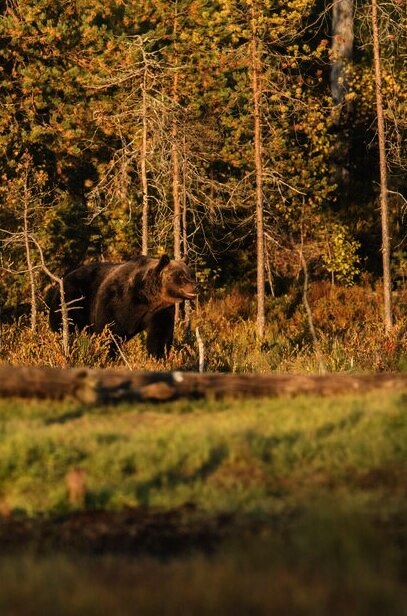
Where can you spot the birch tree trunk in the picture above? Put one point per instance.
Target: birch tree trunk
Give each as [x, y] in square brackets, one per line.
[341, 57]
[342, 47]
[384, 208]
[258, 160]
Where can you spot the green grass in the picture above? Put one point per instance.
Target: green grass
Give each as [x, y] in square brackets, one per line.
[251, 456]
[317, 488]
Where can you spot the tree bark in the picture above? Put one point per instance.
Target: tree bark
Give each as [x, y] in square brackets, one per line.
[143, 165]
[175, 156]
[64, 306]
[187, 304]
[384, 208]
[174, 150]
[307, 306]
[258, 160]
[341, 57]
[30, 267]
[342, 46]
[95, 386]
[175, 190]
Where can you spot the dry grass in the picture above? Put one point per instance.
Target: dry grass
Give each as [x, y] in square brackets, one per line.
[348, 323]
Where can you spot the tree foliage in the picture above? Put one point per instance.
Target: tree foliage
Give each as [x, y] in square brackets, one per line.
[87, 92]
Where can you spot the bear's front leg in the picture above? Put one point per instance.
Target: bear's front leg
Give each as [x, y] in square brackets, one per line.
[160, 332]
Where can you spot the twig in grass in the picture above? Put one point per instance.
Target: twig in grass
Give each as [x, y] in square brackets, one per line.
[76, 486]
[201, 350]
[118, 347]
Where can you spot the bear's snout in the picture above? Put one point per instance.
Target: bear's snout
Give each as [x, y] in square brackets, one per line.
[189, 290]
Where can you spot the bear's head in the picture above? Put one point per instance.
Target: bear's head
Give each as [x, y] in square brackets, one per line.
[177, 283]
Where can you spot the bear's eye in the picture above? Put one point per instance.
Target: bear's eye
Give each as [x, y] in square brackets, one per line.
[180, 279]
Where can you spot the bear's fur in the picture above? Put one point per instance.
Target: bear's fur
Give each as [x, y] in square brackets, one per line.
[128, 297]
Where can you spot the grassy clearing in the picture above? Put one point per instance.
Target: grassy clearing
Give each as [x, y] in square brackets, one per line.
[260, 456]
[322, 483]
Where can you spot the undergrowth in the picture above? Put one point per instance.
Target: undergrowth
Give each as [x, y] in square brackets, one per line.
[348, 324]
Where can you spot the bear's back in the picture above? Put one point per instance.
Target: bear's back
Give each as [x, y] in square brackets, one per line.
[87, 278]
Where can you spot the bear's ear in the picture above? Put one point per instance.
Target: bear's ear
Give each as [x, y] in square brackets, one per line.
[163, 262]
[185, 259]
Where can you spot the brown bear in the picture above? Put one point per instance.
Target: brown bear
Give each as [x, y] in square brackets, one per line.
[129, 297]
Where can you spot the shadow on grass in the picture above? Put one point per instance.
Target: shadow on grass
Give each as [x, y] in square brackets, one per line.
[61, 419]
[175, 475]
[324, 560]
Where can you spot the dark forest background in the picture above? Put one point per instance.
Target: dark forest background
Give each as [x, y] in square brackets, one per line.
[129, 127]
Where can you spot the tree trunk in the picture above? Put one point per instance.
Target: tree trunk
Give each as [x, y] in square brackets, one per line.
[187, 304]
[175, 157]
[175, 188]
[388, 313]
[143, 166]
[64, 306]
[30, 267]
[258, 160]
[174, 151]
[341, 57]
[317, 347]
[184, 199]
[65, 318]
[342, 46]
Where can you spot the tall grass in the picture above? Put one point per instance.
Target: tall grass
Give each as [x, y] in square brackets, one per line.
[331, 564]
[348, 324]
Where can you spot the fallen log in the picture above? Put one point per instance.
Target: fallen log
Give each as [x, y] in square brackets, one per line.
[99, 386]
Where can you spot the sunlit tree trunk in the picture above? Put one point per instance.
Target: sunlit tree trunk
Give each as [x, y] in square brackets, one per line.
[187, 305]
[143, 165]
[184, 200]
[175, 157]
[30, 267]
[176, 193]
[174, 151]
[64, 305]
[258, 159]
[384, 208]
